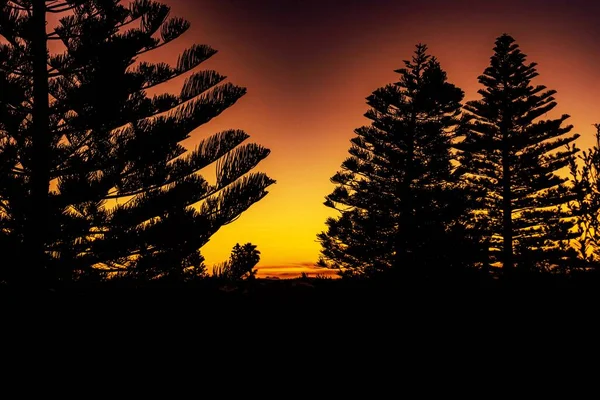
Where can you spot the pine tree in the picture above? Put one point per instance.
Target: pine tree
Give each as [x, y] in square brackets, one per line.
[101, 171]
[585, 207]
[397, 193]
[514, 157]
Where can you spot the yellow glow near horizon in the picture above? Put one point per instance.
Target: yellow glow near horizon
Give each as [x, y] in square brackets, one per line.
[308, 73]
[307, 115]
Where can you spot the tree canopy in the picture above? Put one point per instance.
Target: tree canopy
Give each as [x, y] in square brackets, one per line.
[398, 194]
[122, 193]
[514, 155]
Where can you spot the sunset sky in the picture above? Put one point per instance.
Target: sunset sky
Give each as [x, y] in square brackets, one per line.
[309, 65]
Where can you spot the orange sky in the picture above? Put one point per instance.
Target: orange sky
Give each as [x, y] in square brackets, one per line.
[308, 66]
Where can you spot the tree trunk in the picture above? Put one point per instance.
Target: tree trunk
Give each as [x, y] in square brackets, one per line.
[507, 228]
[404, 258]
[36, 224]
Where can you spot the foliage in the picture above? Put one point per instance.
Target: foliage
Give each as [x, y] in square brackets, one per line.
[586, 205]
[514, 157]
[240, 265]
[399, 198]
[126, 195]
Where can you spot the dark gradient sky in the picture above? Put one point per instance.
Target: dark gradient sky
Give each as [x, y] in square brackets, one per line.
[308, 66]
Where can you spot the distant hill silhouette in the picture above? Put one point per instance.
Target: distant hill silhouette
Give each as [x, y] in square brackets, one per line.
[294, 271]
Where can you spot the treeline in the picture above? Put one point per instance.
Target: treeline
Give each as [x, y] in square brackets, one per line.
[435, 187]
[96, 184]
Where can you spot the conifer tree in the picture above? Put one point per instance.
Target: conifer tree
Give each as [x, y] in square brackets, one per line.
[585, 207]
[397, 194]
[514, 156]
[93, 172]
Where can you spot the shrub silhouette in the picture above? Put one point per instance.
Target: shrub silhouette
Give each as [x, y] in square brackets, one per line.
[240, 265]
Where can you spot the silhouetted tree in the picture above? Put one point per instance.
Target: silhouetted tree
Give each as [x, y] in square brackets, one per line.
[397, 193]
[514, 158]
[586, 205]
[99, 178]
[241, 263]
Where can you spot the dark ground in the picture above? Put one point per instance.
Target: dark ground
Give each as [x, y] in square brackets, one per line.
[312, 300]
[311, 329]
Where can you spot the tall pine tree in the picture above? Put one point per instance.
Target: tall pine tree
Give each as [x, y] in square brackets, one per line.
[514, 157]
[93, 172]
[397, 194]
